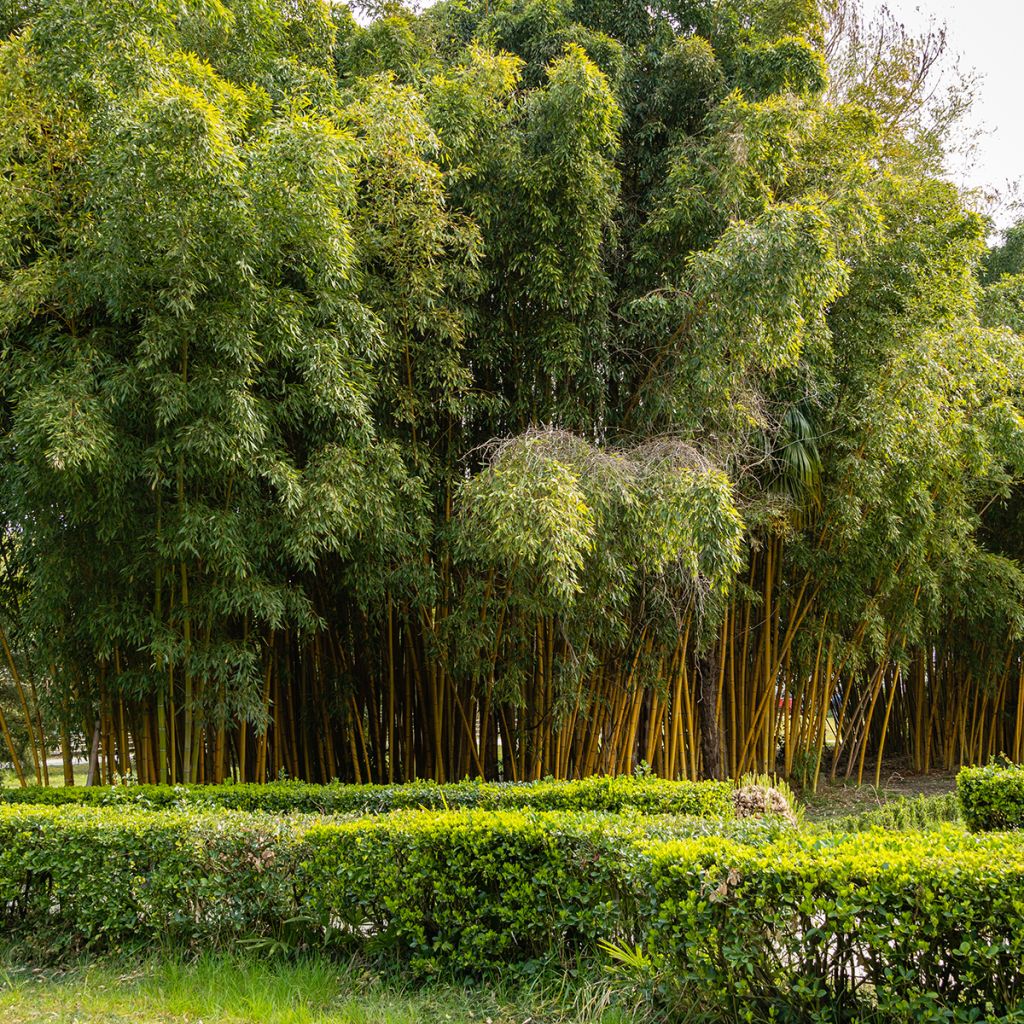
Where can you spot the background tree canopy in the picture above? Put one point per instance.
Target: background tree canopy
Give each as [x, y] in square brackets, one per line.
[522, 387]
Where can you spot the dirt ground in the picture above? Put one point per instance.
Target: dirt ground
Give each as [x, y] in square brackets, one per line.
[839, 798]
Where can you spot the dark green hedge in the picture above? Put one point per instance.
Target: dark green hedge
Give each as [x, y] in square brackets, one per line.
[90, 875]
[903, 927]
[645, 794]
[992, 797]
[472, 891]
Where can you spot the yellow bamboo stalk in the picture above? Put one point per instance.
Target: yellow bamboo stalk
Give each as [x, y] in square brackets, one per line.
[15, 760]
[34, 744]
[885, 726]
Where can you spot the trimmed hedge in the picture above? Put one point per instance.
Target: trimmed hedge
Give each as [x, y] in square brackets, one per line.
[73, 876]
[907, 927]
[992, 797]
[471, 891]
[466, 889]
[613, 794]
[85, 875]
[926, 927]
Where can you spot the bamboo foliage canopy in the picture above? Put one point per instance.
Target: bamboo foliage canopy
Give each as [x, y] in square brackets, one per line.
[515, 388]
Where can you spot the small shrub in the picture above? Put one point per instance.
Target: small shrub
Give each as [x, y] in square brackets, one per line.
[766, 795]
[760, 802]
[992, 797]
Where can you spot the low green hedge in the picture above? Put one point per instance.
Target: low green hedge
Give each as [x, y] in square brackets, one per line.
[992, 797]
[73, 876]
[887, 927]
[477, 890]
[645, 794]
[905, 927]
[464, 890]
[472, 891]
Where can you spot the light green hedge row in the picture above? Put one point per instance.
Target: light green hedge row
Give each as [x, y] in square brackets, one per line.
[891, 927]
[992, 797]
[907, 927]
[645, 794]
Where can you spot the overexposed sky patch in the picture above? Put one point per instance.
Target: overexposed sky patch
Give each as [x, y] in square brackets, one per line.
[987, 35]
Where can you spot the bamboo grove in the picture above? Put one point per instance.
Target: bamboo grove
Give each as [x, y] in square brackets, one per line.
[511, 389]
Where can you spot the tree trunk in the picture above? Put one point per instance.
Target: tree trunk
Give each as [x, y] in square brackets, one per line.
[66, 756]
[710, 738]
[94, 756]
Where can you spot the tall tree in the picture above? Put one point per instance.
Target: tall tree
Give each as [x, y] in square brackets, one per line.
[521, 387]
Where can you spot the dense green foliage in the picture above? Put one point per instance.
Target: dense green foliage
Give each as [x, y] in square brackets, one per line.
[911, 926]
[992, 797]
[105, 875]
[642, 795]
[515, 388]
[251, 874]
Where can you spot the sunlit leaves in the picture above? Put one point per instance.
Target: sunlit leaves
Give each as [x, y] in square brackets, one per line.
[689, 526]
[529, 509]
[190, 378]
[569, 513]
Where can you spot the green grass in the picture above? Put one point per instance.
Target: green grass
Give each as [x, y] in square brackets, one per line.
[8, 778]
[239, 990]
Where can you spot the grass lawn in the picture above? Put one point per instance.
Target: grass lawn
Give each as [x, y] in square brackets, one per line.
[238, 990]
[56, 771]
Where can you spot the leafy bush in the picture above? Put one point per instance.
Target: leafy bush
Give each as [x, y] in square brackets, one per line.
[777, 926]
[904, 813]
[992, 797]
[472, 891]
[86, 876]
[647, 794]
[903, 927]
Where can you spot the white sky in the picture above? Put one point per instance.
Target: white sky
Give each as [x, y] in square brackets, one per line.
[987, 34]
